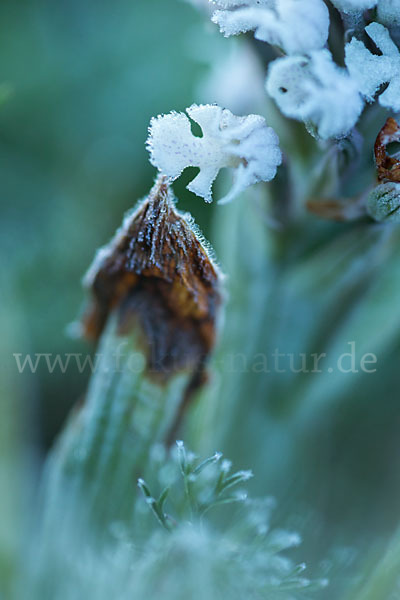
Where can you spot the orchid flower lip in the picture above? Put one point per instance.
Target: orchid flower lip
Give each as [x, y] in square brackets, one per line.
[244, 144]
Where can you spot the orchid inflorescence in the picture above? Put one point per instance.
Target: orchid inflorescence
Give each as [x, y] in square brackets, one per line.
[305, 81]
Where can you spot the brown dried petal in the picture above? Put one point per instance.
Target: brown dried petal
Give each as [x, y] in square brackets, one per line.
[157, 273]
[388, 166]
[337, 209]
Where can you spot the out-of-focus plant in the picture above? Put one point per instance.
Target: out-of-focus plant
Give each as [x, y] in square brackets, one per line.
[182, 552]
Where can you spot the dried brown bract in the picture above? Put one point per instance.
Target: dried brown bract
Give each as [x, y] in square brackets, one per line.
[388, 166]
[337, 209]
[157, 274]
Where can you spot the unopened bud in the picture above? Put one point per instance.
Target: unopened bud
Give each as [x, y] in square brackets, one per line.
[383, 203]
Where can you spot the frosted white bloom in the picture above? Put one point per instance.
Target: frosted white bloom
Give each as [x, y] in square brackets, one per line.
[370, 71]
[389, 12]
[296, 26]
[354, 6]
[244, 143]
[315, 90]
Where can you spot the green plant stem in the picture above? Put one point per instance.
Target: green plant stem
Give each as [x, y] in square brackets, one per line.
[106, 444]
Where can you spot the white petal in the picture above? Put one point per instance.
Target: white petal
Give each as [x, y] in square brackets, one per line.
[297, 26]
[389, 12]
[169, 141]
[370, 71]
[201, 185]
[365, 68]
[390, 98]
[381, 37]
[256, 168]
[245, 144]
[354, 6]
[285, 84]
[315, 90]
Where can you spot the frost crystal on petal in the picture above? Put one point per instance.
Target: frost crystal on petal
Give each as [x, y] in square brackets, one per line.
[246, 144]
[296, 26]
[389, 12]
[370, 71]
[156, 274]
[354, 6]
[317, 91]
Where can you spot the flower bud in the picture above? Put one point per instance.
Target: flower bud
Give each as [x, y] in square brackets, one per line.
[383, 203]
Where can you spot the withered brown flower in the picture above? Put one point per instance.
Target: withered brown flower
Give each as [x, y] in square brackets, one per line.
[157, 274]
[388, 166]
